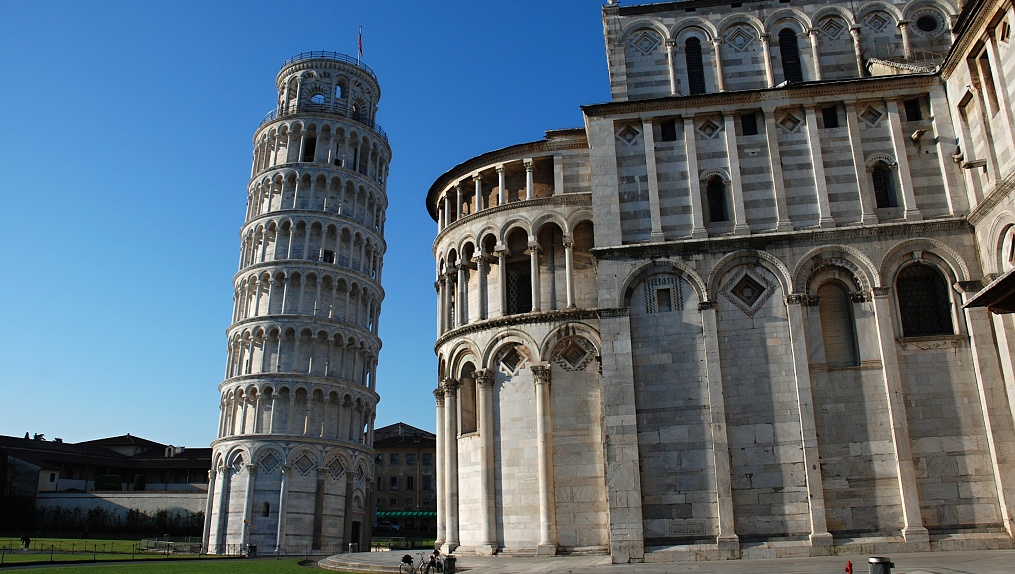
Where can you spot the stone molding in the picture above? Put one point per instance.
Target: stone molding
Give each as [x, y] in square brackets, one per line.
[583, 199]
[996, 196]
[766, 241]
[552, 317]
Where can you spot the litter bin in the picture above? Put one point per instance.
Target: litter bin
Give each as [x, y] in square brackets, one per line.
[252, 551]
[353, 547]
[879, 565]
[449, 564]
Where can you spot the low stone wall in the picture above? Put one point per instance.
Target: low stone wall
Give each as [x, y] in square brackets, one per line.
[119, 503]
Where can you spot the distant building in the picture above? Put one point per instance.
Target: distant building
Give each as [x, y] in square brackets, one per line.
[406, 479]
[41, 474]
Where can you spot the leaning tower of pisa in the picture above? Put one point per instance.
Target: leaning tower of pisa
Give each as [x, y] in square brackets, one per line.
[291, 464]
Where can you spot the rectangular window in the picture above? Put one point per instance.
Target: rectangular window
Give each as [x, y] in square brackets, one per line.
[749, 124]
[410, 458]
[393, 459]
[668, 131]
[409, 503]
[309, 148]
[393, 502]
[410, 483]
[426, 459]
[663, 300]
[830, 116]
[913, 113]
[328, 256]
[427, 484]
[380, 484]
[52, 477]
[393, 483]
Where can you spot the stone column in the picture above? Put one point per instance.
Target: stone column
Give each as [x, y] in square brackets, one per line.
[462, 306]
[460, 202]
[866, 193]
[653, 181]
[222, 507]
[812, 35]
[913, 529]
[720, 81]
[502, 280]
[283, 498]
[479, 192]
[808, 429]
[691, 148]
[899, 140]
[727, 540]
[529, 192]
[208, 507]
[671, 46]
[769, 74]
[248, 501]
[484, 386]
[861, 70]
[569, 270]
[740, 226]
[452, 539]
[544, 454]
[907, 48]
[501, 184]
[534, 272]
[481, 271]
[315, 540]
[783, 222]
[997, 71]
[818, 169]
[438, 286]
[438, 466]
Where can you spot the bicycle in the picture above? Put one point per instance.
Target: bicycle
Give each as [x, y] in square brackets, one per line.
[407, 565]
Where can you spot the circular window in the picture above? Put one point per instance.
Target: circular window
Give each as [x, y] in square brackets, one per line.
[926, 23]
[929, 22]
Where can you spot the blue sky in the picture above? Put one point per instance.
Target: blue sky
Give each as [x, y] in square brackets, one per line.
[125, 159]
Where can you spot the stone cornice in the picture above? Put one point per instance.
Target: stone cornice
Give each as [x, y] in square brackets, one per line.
[313, 215]
[554, 317]
[999, 193]
[766, 241]
[303, 266]
[788, 96]
[309, 321]
[274, 380]
[291, 439]
[583, 199]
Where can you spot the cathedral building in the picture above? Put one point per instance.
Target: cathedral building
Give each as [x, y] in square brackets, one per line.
[728, 317]
[293, 464]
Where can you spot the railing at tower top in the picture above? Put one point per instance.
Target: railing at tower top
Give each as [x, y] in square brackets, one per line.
[330, 56]
[330, 109]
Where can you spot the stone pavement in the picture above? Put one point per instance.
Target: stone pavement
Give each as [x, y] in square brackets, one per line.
[964, 562]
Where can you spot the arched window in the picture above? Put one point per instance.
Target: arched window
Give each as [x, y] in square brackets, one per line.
[838, 327]
[519, 277]
[884, 186]
[924, 304]
[789, 53]
[467, 399]
[695, 67]
[715, 193]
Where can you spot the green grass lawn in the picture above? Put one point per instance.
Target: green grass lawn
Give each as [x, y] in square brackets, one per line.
[237, 566]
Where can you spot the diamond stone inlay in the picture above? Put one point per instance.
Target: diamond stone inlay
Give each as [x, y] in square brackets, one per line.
[709, 128]
[645, 42]
[511, 360]
[304, 464]
[832, 28]
[790, 123]
[748, 290]
[629, 134]
[876, 21]
[336, 468]
[871, 116]
[270, 461]
[740, 39]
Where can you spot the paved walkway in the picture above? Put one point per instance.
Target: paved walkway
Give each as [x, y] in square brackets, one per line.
[965, 562]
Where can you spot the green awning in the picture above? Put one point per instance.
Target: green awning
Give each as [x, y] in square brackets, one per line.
[406, 513]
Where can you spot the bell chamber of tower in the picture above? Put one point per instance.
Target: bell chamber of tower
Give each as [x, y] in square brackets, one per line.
[292, 463]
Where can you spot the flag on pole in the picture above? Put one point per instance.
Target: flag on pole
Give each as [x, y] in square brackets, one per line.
[360, 56]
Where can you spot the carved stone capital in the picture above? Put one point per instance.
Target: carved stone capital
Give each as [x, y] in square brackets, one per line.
[450, 387]
[483, 377]
[438, 395]
[969, 286]
[706, 306]
[285, 468]
[541, 373]
[796, 299]
[251, 468]
[569, 243]
[881, 291]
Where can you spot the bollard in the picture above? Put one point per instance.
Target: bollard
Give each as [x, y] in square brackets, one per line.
[449, 564]
[879, 565]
